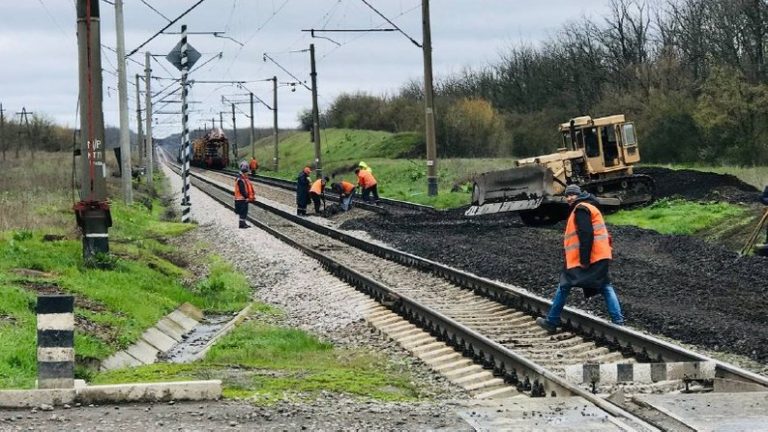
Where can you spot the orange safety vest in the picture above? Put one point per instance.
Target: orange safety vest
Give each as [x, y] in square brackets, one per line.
[248, 187]
[317, 187]
[601, 246]
[347, 187]
[254, 165]
[365, 179]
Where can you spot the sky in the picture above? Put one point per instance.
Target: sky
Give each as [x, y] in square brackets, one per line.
[38, 47]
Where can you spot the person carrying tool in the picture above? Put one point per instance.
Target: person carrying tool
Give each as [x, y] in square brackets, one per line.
[253, 165]
[317, 193]
[367, 183]
[588, 253]
[346, 191]
[302, 191]
[244, 194]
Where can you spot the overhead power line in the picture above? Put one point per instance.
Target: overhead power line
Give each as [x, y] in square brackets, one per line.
[165, 28]
[392, 24]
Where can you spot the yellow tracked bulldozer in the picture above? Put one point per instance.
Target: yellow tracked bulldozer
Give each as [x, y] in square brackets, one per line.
[597, 154]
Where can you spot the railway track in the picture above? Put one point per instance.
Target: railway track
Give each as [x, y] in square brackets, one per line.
[489, 322]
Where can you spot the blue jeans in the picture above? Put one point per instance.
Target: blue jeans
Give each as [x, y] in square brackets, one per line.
[611, 301]
[346, 201]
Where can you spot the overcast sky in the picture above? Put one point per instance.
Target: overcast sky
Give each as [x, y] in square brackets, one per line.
[38, 48]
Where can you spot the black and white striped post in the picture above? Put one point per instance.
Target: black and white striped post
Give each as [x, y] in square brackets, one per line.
[185, 204]
[55, 341]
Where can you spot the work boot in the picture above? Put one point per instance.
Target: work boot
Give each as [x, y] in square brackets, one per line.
[543, 323]
[244, 225]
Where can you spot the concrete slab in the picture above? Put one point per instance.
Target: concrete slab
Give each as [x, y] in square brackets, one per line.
[182, 320]
[714, 411]
[151, 392]
[540, 414]
[119, 360]
[158, 339]
[143, 352]
[191, 311]
[171, 329]
[35, 398]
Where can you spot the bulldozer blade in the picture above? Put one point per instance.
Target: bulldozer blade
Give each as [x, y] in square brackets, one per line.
[516, 189]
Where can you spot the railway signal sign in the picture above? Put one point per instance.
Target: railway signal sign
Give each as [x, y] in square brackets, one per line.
[174, 56]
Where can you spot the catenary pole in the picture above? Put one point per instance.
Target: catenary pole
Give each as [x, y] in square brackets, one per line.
[122, 89]
[315, 113]
[429, 102]
[139, 126]
[148, 145]
[185, 204]
[253, 138]
[2, 130]
[274, 118]
[234, 134]
[92, 211]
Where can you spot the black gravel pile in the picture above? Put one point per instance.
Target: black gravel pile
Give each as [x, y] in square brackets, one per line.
[681, 287]
[699, 185]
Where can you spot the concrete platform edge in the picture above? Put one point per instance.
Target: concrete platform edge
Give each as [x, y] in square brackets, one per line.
[113, 393]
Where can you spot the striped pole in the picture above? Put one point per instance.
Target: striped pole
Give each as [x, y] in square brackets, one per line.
[55, 341]
[185, 204]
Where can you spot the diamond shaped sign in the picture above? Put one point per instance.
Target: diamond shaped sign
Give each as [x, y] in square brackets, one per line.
[174, 56]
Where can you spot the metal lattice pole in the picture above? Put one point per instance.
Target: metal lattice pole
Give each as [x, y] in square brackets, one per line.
[185, 204]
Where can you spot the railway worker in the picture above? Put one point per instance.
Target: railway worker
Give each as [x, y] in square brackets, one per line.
[346, 191]
[302, 191]
[253, 165]
[244, 194]
[368, 184]
[317, 193]
[588, 254]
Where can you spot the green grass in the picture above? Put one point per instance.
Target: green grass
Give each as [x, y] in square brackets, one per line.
[678, 216]
[266, 363]
[118, 304]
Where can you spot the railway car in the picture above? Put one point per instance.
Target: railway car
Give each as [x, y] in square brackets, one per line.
[211, 150]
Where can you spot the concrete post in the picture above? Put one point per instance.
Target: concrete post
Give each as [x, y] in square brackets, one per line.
[55, 341]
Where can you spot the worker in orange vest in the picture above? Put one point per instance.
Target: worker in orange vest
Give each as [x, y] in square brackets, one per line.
[253, 165]
[244, 194]
[588, 253]
[346, 191]
[368, 184]
[317, 193]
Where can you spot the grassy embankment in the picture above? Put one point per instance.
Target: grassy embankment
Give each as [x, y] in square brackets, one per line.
[114, 306]
[404, 178]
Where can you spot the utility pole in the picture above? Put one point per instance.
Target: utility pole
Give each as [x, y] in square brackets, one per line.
[234, 133]
[274, 116]
[3, 144]
[315, 113]
[140, 127]
[149, 169]
[253, 141]
[122, 89]
[23, 117]
[92, 212]
[221, 121]
[429, 102]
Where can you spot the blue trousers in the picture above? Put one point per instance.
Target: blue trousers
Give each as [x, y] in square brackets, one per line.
[563, 290]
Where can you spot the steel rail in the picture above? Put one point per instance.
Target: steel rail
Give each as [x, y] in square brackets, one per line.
[515, 369]
[644, 347]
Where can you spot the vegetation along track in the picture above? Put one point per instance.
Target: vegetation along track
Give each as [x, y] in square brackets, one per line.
[491, 322]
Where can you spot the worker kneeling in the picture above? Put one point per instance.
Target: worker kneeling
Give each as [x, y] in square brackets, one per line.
[588, 253]
[346, 191]
[317, 193]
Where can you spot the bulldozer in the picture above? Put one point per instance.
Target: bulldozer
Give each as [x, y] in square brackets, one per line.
[597, 154]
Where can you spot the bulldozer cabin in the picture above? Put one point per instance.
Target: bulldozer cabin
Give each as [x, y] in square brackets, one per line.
[597, 154]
